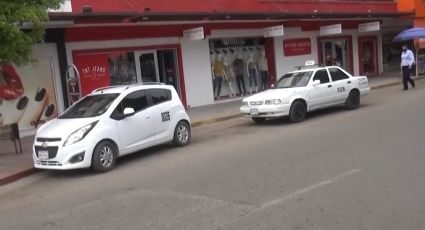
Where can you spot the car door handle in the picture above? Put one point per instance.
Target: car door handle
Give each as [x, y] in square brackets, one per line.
[348, 82]
[329, 86]
[148, 116]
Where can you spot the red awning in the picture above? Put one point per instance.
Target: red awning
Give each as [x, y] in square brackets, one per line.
[184, 6]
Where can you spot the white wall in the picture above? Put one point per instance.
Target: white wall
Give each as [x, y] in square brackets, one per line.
[49, 51]
[197, 72]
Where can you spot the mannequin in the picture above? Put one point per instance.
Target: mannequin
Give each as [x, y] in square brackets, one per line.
[264, 70]
[229, 73]
[219, 74]
[252, 73]
[237, 66]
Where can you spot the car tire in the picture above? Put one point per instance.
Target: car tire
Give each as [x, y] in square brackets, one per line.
[298, 111]
[353, 100]
[104, 157]
[259, 120]
[182, 134]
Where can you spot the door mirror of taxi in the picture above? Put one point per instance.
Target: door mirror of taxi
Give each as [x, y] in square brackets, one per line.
[316, 82]
[128, 111]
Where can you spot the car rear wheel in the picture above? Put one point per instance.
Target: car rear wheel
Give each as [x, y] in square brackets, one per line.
[104, 157]
[353, 100]
[182, 134]
[297, 112]
[259, 120]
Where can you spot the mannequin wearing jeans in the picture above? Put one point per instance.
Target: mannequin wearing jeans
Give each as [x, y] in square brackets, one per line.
[252, 73]
[264, 70]
[238, 70]
[219, 74]
[229, 73]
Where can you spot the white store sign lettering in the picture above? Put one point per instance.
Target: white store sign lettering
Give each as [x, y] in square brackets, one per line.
[370, 26]
[274, 31]
[194, 34]
[332, 29]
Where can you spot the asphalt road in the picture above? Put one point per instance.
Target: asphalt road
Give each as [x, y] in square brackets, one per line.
[339, 169]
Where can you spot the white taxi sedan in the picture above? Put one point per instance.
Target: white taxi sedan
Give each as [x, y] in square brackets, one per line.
[302, 91]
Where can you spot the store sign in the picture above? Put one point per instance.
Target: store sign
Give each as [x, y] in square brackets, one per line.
[236, 42]
[94, 71]
[297, 46]
[274, 31]
[194, 34]
[369, 27]
[332, 29]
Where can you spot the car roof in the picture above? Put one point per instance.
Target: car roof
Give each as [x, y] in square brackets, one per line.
[313, 69]
[130, 88]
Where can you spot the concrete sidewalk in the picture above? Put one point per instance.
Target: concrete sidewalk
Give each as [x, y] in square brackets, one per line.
[15, 166]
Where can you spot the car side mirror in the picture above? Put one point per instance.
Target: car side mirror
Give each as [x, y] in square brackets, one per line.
[128, 111]
[316, 82]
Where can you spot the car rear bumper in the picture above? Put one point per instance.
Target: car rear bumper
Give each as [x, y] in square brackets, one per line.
[364, 92]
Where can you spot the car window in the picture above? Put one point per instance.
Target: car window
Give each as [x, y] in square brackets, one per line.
[90, 106]
[159, 95]
[337, 74]
[137, 100]
[322, 76]
[297, 79]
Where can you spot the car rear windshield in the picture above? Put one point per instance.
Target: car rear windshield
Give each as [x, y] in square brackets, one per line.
[297, 79]
[90, 106]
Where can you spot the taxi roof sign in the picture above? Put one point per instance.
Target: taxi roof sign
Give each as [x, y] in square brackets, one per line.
[310, 63]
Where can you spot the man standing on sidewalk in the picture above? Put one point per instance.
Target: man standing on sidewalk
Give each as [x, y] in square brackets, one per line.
[407, 61]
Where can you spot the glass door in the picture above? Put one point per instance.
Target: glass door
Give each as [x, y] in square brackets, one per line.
[168, 68]
[336, 51]
[368, 56]
[147, 66]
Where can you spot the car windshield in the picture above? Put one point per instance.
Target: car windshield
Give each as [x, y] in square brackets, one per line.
[297, 79]
[90, 106]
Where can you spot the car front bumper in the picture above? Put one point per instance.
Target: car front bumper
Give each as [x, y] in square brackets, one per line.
[265, 111]
[59, 157]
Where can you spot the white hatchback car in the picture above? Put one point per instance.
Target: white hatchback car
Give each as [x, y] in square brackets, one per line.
[299, 92]
[109, 123]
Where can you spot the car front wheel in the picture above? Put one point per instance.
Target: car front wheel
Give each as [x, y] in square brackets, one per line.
[297, 112]
[182, 134]
[104, 157]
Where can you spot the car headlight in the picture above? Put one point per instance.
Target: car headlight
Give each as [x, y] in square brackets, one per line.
[273, 102]
[244, 103]
[79, 134]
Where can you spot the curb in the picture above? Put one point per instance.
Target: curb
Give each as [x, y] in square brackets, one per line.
[215, 120]
[17, 176]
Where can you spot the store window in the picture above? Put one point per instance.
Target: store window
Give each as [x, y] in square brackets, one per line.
[100, 69]
[336, 51]
[239, 66]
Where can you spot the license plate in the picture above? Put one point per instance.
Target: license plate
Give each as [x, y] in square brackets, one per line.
[254, 112]
[43, 155]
